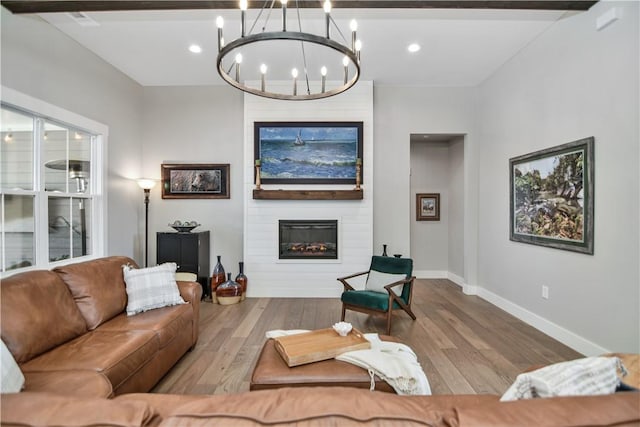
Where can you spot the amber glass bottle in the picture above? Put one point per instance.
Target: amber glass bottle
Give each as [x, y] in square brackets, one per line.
[217, 278]
[242, 280]
[230, 292]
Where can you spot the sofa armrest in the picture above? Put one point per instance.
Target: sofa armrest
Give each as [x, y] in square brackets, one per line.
[74, 382]
[191, 292]
[50, 409]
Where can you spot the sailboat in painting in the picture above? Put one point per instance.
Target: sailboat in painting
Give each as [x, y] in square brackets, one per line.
[299, 140]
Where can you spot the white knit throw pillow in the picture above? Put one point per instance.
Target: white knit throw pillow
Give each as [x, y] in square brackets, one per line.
[149, 288]
[589, 376]
[377, 280]
[12, 378]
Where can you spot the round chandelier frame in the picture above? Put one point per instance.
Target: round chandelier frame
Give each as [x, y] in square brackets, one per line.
[351, 56]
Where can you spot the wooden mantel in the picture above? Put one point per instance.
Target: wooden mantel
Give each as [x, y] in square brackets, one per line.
[308, 194]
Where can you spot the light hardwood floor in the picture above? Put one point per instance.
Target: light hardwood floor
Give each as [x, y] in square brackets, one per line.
[465, 344]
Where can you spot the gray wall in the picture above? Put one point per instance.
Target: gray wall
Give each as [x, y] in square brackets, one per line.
[455, 208]
[569, 83]
[398, 112]
[437, 247]
[196, 125]
[430, 174]
[40, 61]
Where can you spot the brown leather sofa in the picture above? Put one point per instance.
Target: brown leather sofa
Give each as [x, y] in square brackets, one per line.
[68, 330]
[319, 406]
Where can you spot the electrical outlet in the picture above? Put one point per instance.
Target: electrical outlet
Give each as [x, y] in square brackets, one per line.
[545, 292]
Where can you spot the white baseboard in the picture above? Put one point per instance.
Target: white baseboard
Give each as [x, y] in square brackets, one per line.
[293, 293]
[565, 336]
[430, 274]
[456, 279]
[557, 332]
[466, 288]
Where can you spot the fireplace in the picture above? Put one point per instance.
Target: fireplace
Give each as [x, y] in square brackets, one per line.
[308, 239]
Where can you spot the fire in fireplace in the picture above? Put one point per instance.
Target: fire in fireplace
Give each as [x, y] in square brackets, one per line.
[308, 239]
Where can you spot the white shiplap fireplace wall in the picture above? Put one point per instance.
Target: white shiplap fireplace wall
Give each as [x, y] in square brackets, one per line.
[270, 276]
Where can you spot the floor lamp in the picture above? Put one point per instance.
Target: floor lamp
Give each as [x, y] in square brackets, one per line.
[146, 185]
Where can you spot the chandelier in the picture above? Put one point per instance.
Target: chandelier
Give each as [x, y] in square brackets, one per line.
[311, 60]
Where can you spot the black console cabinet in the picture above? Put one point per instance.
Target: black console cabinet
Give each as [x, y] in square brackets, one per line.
[190, 251]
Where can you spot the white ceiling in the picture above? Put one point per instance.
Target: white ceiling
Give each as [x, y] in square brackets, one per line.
[460, 47]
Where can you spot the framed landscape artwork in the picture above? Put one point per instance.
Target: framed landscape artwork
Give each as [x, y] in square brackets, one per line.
[551, 197]
[195, 181]
[308, 152]
[428, 207]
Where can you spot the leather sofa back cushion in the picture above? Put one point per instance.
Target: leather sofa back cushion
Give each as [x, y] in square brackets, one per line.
[617, 409]
[38, 314]
[98, 287]
[47, 409]
[320, 406]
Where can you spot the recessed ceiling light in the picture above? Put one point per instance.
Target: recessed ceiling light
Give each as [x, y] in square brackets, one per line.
[194, 48]
[413, 47]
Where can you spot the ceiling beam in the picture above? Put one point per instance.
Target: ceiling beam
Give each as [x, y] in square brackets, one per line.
[45, 6]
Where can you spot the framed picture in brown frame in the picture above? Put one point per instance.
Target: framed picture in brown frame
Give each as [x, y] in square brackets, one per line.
[195, 181]
[428, 207]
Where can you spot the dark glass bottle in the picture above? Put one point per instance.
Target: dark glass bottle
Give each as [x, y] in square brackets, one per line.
[384, 250]
[242, 280]
[230, 292]
[217, 278]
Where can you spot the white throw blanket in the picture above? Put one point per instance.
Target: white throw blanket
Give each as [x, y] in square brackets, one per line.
[395, 363]
[582, 377]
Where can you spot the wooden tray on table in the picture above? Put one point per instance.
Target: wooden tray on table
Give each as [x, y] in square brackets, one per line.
[318, 345]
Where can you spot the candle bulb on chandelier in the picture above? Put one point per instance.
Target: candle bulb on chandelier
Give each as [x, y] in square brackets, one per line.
[244, 4]
[284, 14]
[323, 71]
[238, 62]
[345, 62]
[354, 27]
[358, 46]
[294, 74]
[230, 70]
[220, 25]
[263, 72]
[327, 14]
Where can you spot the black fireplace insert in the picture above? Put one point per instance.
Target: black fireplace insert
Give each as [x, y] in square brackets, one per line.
[308, 239]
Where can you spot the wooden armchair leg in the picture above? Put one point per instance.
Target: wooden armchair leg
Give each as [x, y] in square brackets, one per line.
[389, 313]
[343, 312]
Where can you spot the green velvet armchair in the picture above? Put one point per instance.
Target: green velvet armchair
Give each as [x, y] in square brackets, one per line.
[389, 287]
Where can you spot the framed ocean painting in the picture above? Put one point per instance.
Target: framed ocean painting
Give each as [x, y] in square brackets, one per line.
[307, 152]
